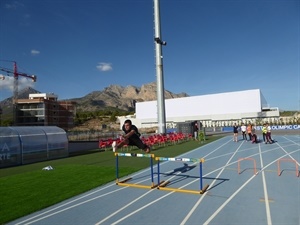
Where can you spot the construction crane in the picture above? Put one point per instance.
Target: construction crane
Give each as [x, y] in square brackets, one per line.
[1, 78]
[16, 75]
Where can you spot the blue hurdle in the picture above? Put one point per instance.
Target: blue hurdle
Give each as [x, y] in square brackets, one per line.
[123, 183]
[162, 185]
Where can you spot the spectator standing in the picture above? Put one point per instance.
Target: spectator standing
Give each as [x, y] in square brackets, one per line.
[264, 132]
[235, 132]
[244, 129]
[254, 136]
[268, 135]
[249, 131]
[195, 130]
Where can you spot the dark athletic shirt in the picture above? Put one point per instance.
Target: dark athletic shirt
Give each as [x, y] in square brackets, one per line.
[133, 127]
[235, 129]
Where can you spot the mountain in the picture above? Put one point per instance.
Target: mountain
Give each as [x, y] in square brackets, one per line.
[115, 96]
[23, 94]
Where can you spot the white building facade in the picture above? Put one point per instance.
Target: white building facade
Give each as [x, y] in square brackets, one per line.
[211, 110]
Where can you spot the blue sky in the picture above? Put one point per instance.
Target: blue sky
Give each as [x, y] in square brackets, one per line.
[213, 46]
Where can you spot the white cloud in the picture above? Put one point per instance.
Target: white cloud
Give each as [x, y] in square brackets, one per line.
[27, 16]
[35, 52]
[19, 7]
[25, 82]
[14, 5]
[8, 83]
[102, 66]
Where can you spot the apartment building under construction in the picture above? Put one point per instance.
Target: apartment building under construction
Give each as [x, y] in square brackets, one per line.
[43, 109]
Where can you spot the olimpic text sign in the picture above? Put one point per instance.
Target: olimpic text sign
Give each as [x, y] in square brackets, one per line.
[281, 127]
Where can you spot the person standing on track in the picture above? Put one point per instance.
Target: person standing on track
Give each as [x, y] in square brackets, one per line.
[235, 132]
[195, 130]
[249, 131]
[131, 137]
[244, 129]
[264, 132]
[254, 136]
[268, 135]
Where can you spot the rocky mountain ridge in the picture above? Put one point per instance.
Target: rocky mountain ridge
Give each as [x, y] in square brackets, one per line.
[23, 94]
[124, 98]
[114, 96]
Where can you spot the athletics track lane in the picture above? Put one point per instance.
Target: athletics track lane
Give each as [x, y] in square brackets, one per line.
[231, 198]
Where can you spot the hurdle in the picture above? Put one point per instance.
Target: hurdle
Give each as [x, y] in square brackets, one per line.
[123, 182]
[254, 164]
[162, 185]
[287, 159]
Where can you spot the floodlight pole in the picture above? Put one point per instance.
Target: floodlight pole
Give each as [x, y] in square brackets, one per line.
[159, 71]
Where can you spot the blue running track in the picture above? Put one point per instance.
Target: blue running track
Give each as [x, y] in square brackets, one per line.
[246, 186]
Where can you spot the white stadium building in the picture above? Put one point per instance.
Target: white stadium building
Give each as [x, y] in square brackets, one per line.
[213, 110]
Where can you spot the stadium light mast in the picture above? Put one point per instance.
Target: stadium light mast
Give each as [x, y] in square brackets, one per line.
[161, 115]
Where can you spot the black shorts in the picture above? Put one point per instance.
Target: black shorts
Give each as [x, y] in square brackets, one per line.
[134, 140]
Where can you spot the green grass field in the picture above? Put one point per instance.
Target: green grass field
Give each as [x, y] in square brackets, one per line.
[26, 189]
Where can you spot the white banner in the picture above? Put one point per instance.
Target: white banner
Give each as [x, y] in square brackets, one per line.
[281, 127]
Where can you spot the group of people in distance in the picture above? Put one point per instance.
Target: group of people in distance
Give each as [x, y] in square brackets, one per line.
[249, 131]
[131, 135]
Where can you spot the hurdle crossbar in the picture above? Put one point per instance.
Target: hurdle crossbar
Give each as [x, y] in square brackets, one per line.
[124, 182]
[287, 159]
[162, 185]
[251, 159]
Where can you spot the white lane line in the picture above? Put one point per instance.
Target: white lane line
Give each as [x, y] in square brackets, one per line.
[78, 204]
[289, 153]
[239, 189]
[226, 202]
[195, 206]
[145, 206]
[222, 169]
[290, 140]
[266, 196]
[132, 213]
[70, 207]
[77, 199]
[215, 180]
[60, 206]
[67, 203]
[124, 207]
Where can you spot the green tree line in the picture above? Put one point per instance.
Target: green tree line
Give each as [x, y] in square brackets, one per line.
[110, 113]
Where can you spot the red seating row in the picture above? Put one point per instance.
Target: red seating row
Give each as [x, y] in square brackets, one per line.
[106, 144]
[151, 140]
